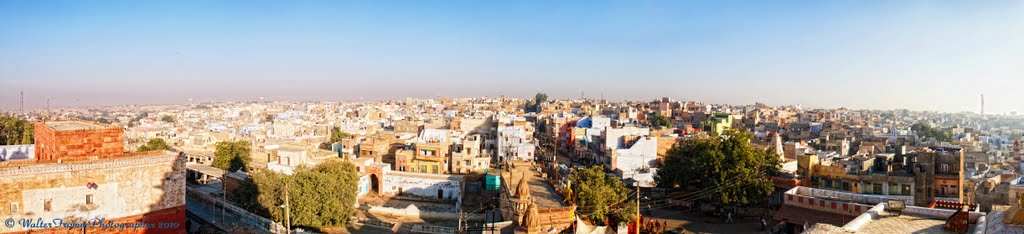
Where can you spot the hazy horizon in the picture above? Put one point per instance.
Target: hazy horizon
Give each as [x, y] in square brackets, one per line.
[917, 55]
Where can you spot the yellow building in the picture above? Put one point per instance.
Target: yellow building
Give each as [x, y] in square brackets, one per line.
[423, 158]
[718, 124]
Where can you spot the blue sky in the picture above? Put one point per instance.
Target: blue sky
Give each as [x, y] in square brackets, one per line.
[922, 55]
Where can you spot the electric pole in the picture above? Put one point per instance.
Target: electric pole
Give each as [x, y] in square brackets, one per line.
[287, 211]
[638, 208]
[461, 216]
[224, 200]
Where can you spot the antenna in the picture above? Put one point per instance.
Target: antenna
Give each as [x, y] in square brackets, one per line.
[48, 107]
[983, 104]
[22, 110]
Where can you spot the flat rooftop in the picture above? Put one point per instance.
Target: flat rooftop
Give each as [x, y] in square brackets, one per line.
[890, 223]
[995, 222]
[72, 125]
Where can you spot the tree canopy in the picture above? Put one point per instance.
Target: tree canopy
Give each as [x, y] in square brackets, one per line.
[721, 170]
[268, 119]
[15, 131]
[135, 121]
[337, 135]
[540, 98]
[167, 118]
[154, 144]
[231, 155]
[537, 100]
[928, 132]
[320, 197]
[660, 121]
[601, 198]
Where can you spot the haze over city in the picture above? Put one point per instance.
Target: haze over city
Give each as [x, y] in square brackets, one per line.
[917, 55]
[512, 117]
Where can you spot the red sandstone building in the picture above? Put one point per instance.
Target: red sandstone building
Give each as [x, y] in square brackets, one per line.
[80, 173]
[76, 141]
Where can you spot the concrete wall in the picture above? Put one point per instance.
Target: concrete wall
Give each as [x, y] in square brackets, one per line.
[414, 212]
[815, 199]
[17, 152]
[613, 136]
[364, 185]
[860, 198]
[422, 185]
[643, 154]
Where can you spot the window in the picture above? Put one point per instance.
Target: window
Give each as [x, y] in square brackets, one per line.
[48, 205]
[88, 199]
[14, 208]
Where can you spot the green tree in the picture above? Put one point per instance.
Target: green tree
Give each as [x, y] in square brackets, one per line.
[722, 170]
[926, 131]
[15, 131]
[600, 197]
[167, 118]
[337, 135]
[268, 119]
[154, 144]
[231, 155]
[538, 99]
[320, 197]
[135, 121]
[660, 121]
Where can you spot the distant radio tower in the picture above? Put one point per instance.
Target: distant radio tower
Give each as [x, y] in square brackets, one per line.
[22, 108]
[983, 104]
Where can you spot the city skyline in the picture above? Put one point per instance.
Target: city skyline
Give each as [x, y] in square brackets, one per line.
[860, 54]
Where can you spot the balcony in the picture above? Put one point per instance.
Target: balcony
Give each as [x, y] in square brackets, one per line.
[429, 158]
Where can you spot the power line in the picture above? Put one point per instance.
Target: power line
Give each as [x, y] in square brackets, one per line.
[696, 195]
[616, 203]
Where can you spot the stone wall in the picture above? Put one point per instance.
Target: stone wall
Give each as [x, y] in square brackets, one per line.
[67, 145]
[115, 189]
